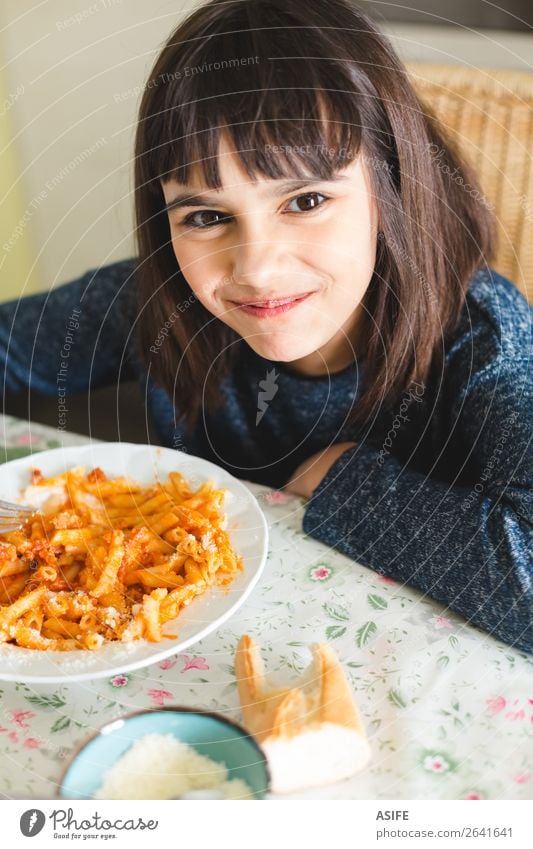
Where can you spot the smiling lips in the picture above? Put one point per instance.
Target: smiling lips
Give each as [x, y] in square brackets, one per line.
[267, 309]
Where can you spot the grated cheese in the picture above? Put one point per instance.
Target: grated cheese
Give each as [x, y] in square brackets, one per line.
[158, 766]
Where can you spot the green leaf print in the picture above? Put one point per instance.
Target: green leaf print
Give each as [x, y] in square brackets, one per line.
[46, 701]
[365, 632]
[337, 611]
[8, 454]
[396, 698]
[333, 632]
[377, 602]
[61, 724]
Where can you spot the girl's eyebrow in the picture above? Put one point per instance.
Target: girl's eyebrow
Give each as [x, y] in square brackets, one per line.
[286, 186]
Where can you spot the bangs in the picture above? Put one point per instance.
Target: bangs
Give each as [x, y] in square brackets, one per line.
[284, 113]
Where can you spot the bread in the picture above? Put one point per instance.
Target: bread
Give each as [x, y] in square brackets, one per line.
[312, 733]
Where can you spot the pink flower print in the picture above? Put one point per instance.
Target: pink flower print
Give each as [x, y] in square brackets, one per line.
[276, 496]
[436, 763]
[322, 572]
[32, 743]
[496, 704]
[386, 580]
[522, 777]
[158, 696]
[119, 680]
[23, 439]
[439, 622]
[473, 794]
[20, 716]
[193, 663]
[167, 664]
[515, 714]
[13, 737]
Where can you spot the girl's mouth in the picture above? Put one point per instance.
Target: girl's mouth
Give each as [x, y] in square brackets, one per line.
[276, 309]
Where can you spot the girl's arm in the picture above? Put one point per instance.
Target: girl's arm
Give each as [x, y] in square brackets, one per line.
[71, 338]
[471, 548]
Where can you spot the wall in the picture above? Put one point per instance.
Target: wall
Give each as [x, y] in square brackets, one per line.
[81, 66]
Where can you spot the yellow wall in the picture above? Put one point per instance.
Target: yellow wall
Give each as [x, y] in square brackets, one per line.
[16, 250]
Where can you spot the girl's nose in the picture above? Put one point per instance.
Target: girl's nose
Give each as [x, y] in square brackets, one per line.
[257, 262]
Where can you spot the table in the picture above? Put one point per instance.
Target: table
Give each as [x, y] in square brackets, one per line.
[447, 708]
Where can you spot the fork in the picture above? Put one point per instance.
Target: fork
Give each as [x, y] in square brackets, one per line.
[12, 516]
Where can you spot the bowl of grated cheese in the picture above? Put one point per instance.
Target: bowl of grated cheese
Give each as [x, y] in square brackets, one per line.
[168, 753]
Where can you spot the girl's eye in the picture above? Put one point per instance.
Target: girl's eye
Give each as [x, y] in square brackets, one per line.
[309, 204]
[192, 221]
[308, 207]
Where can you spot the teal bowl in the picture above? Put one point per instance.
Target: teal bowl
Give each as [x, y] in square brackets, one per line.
[211, 734]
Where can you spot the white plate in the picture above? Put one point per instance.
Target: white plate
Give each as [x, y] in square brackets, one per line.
[246, 526]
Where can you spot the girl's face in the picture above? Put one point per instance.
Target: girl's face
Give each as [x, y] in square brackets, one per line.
[268, 242]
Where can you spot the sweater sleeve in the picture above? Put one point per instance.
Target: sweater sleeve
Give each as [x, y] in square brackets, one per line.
[468, 547]
[74, 337]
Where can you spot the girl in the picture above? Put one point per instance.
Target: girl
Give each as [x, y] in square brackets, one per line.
[312, 306]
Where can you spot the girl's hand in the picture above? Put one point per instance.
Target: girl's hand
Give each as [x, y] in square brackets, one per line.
[308, 474]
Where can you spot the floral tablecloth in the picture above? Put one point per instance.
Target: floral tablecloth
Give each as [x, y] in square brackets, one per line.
[447, 708]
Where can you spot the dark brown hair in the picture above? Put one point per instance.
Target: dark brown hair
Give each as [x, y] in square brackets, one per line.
[435, 231]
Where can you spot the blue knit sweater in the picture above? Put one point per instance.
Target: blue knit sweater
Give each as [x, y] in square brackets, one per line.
[436, 493]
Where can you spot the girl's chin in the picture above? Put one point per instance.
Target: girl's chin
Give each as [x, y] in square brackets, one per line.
[281, 354]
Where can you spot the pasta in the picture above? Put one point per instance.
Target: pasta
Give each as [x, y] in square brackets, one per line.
[106, 559]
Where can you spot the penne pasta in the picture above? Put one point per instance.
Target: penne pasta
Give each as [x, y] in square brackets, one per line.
[110, 566]
[62, 627]
[150, 614]
[13, 568]
[110, 560]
